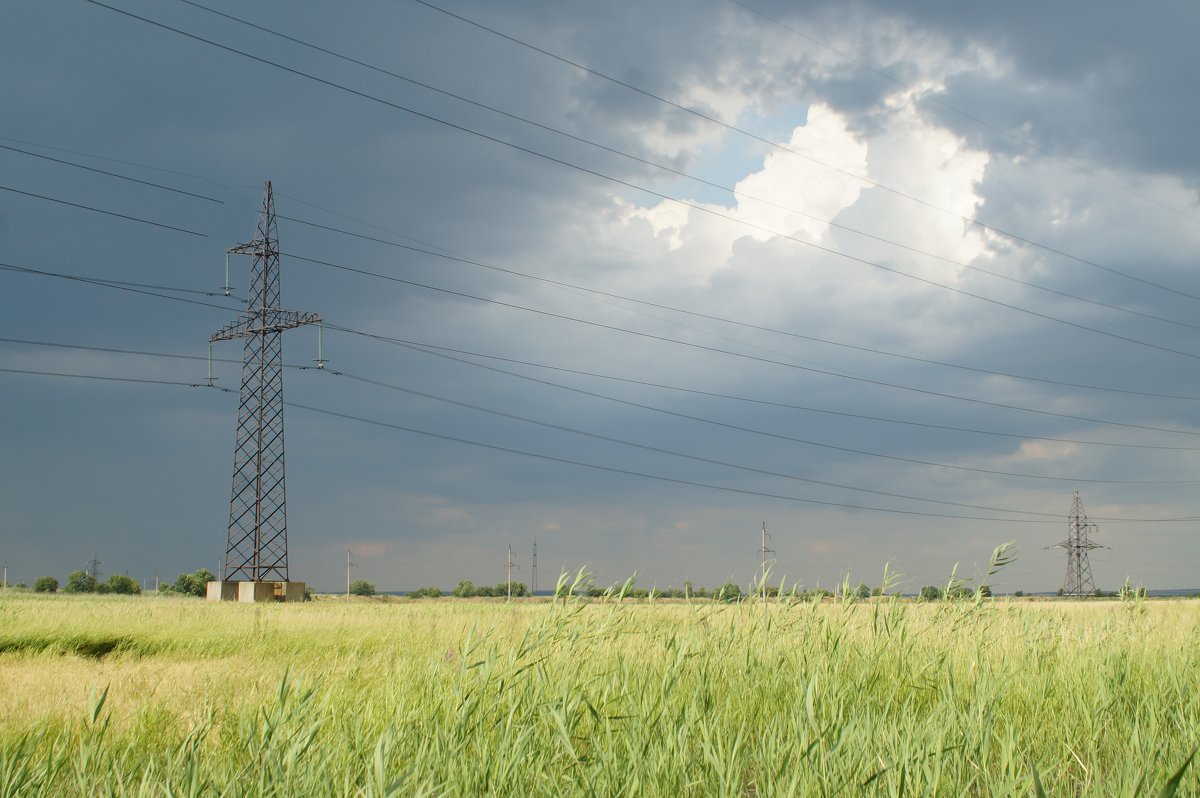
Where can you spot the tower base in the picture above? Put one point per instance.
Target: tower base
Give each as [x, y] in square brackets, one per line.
[251, 592]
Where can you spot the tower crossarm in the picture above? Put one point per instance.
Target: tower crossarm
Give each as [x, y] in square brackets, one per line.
[260, 248]
[264, 321]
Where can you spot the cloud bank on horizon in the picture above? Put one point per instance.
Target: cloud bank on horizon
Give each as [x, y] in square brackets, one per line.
[895, 278]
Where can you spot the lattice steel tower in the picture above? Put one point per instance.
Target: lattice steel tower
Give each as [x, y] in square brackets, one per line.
[256, 549]
[1079, 571]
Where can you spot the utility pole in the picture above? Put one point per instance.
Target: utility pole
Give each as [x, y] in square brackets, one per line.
[511, 565]
[763, 551]
[156, 581]
[1078, 582]
[256, 545]
[5, 584]
[348, 566]
[533, 578]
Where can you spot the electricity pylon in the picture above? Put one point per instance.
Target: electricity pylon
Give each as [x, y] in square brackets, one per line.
[1078, 582]
[764, 553]
[256, 547]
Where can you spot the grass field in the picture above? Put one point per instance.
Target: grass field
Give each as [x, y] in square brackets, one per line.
[157, 696]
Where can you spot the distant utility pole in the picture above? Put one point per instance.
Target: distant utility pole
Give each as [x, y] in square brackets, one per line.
[1078, 582]
[96, 565]
[349, 565]
[533, 578]
[5, 584]
[156, 581]
[763, 552]
[511, 565]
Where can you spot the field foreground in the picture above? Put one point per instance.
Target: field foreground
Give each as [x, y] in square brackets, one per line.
[480, 698]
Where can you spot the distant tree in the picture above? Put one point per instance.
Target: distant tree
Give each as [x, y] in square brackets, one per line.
[309, 595]
[361, 587]
[193, 584]
[862, 591]
[502, 590]
[125, 585]
[45, 584]
[1061, 592]
[728, 593]
[465, 589]
[930, 593]
[594, 591]
[20, 586]
[877, 591]
[1019, 593]
[80, 582]
[426, 592]
[985, 591]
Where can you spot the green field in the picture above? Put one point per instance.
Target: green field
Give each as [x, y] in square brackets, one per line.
[481, 697]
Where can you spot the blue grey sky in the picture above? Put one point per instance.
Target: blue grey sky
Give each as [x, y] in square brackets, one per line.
[896, 278]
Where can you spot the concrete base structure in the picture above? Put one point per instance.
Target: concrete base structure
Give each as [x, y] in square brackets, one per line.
[251, 592]
[222, 591]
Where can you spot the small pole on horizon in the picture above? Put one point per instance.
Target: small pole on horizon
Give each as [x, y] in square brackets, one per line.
[348, 566]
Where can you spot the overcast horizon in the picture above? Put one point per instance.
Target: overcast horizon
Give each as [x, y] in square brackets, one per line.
[895, 279]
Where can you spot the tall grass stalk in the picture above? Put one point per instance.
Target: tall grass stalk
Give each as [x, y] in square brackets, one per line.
[171, 697]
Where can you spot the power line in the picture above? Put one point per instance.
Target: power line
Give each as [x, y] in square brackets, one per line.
[118, 285]
[718, 350]
[628, 184]
[401, 342]
[671, 170]
[594, 466]
[421, 346]
[746, 325]
[113, 379]
[671, 452]
[775, 145]
[699, 419]
[658, 477]
[112, 174]
[113, 160]
[791, 438]
[106, 213]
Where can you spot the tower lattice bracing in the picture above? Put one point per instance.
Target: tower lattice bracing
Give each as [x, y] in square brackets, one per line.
[257, 548]
[1078, 582]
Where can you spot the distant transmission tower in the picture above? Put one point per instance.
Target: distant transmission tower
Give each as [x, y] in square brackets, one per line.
[95, 564]
[511, 565]
[1079, 571]
[256, 548]
[533, 576]
[764, 557]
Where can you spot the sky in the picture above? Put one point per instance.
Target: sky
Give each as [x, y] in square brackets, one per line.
[893, 279]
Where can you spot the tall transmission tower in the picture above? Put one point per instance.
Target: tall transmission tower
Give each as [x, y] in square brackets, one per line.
[1078, 582]
[533, 576]
[256, 548]
[349, 565]
[95, 564]
[764, 557]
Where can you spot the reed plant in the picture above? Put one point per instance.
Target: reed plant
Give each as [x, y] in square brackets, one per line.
[145, 696]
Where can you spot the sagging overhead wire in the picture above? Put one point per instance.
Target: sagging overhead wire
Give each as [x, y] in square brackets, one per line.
[402, 342]
[663, 167]
[103, 211]
[784, 148]
[111, 174]
[695, 206]
[430, 349]
[724, 320]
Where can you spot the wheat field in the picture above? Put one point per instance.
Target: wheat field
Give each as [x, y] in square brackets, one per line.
[155, 696]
